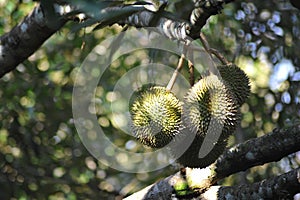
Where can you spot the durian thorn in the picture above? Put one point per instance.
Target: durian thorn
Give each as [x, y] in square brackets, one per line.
[177, 70]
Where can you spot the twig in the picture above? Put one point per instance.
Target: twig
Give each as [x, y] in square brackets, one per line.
[191, 72]
[205, 44]
[177, 70]
[219, 56]
[190, 58]
[211, 51]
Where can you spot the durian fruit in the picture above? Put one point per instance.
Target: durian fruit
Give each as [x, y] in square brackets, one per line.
[156, 116]
[209, 108]
[237, 81]
[191, 158]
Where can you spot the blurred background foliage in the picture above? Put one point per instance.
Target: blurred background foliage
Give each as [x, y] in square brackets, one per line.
[41, 155]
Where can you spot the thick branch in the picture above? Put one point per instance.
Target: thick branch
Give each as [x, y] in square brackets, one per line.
[202, 11]
[172, 28]
[268, 148]
[160, 190]
[284, 186]
[25, 38]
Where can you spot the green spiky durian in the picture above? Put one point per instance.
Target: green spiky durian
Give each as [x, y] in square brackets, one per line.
[237, 81]
[209, 107]
[156, 116]
[210, 99]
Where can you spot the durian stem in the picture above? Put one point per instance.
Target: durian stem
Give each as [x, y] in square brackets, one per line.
[223, 60]
[177, 70]
[211, 51]
[212, 68]
[204, 42]
[191, 71]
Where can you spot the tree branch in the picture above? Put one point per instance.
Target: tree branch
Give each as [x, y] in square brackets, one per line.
[284, 186]
[169, 27]
[268, 148]
[202, 11]
[173, 28]
[25, 38]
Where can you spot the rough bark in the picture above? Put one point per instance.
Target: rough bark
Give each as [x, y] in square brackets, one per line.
[25, 38]
[268, 148]
[203, 9]
[178, 29]
[284, 186]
